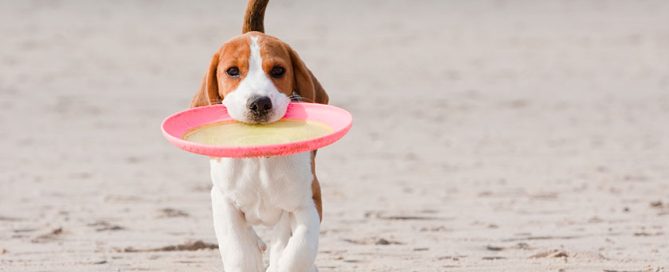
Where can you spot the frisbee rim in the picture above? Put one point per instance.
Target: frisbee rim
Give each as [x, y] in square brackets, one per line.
[267, 150]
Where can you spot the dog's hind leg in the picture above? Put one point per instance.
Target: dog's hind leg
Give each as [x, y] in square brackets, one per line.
[237, 241]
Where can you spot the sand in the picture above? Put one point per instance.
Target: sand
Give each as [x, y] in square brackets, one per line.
[488, 135]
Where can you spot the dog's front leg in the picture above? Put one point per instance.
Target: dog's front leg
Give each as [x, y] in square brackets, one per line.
[237, 242]
[279, 241]
[300, 252]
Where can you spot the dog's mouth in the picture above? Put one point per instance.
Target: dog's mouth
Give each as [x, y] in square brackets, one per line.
[256, 109]
[294, 97]
[256, 119]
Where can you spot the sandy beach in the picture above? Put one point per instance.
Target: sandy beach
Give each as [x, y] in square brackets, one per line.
[488, 135]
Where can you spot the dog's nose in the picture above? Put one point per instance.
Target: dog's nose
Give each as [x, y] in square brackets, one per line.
[260, 104]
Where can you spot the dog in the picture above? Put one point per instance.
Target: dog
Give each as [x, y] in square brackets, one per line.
[256, 76]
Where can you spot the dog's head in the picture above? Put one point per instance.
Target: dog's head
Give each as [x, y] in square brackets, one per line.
[255, 76]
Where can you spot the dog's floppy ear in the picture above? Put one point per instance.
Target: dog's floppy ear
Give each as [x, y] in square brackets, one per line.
[305, 84]
[208, 93]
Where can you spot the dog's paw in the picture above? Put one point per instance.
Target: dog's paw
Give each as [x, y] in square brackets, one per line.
[273, 268]
[261, 245]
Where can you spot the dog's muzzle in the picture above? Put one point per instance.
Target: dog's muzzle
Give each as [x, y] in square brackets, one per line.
[260, 108]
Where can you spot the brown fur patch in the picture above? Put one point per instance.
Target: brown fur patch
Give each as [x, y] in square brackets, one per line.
[316, 187]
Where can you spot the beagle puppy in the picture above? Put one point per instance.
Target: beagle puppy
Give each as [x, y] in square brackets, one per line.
[255, 76]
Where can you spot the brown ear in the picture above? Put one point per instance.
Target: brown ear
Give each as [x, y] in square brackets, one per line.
[306, 85]
[208, 93]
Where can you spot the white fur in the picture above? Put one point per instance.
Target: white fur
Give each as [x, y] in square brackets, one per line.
[255, 83]
[272, 191]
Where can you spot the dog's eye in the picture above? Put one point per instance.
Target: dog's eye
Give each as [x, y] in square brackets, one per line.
[232, 71]
[277, 71]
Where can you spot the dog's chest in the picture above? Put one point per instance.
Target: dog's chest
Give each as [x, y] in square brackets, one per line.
[263, 188]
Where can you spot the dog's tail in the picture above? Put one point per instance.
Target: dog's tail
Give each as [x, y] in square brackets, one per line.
[254, 16]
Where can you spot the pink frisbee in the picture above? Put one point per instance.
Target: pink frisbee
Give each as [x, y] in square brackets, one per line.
[177, 125]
